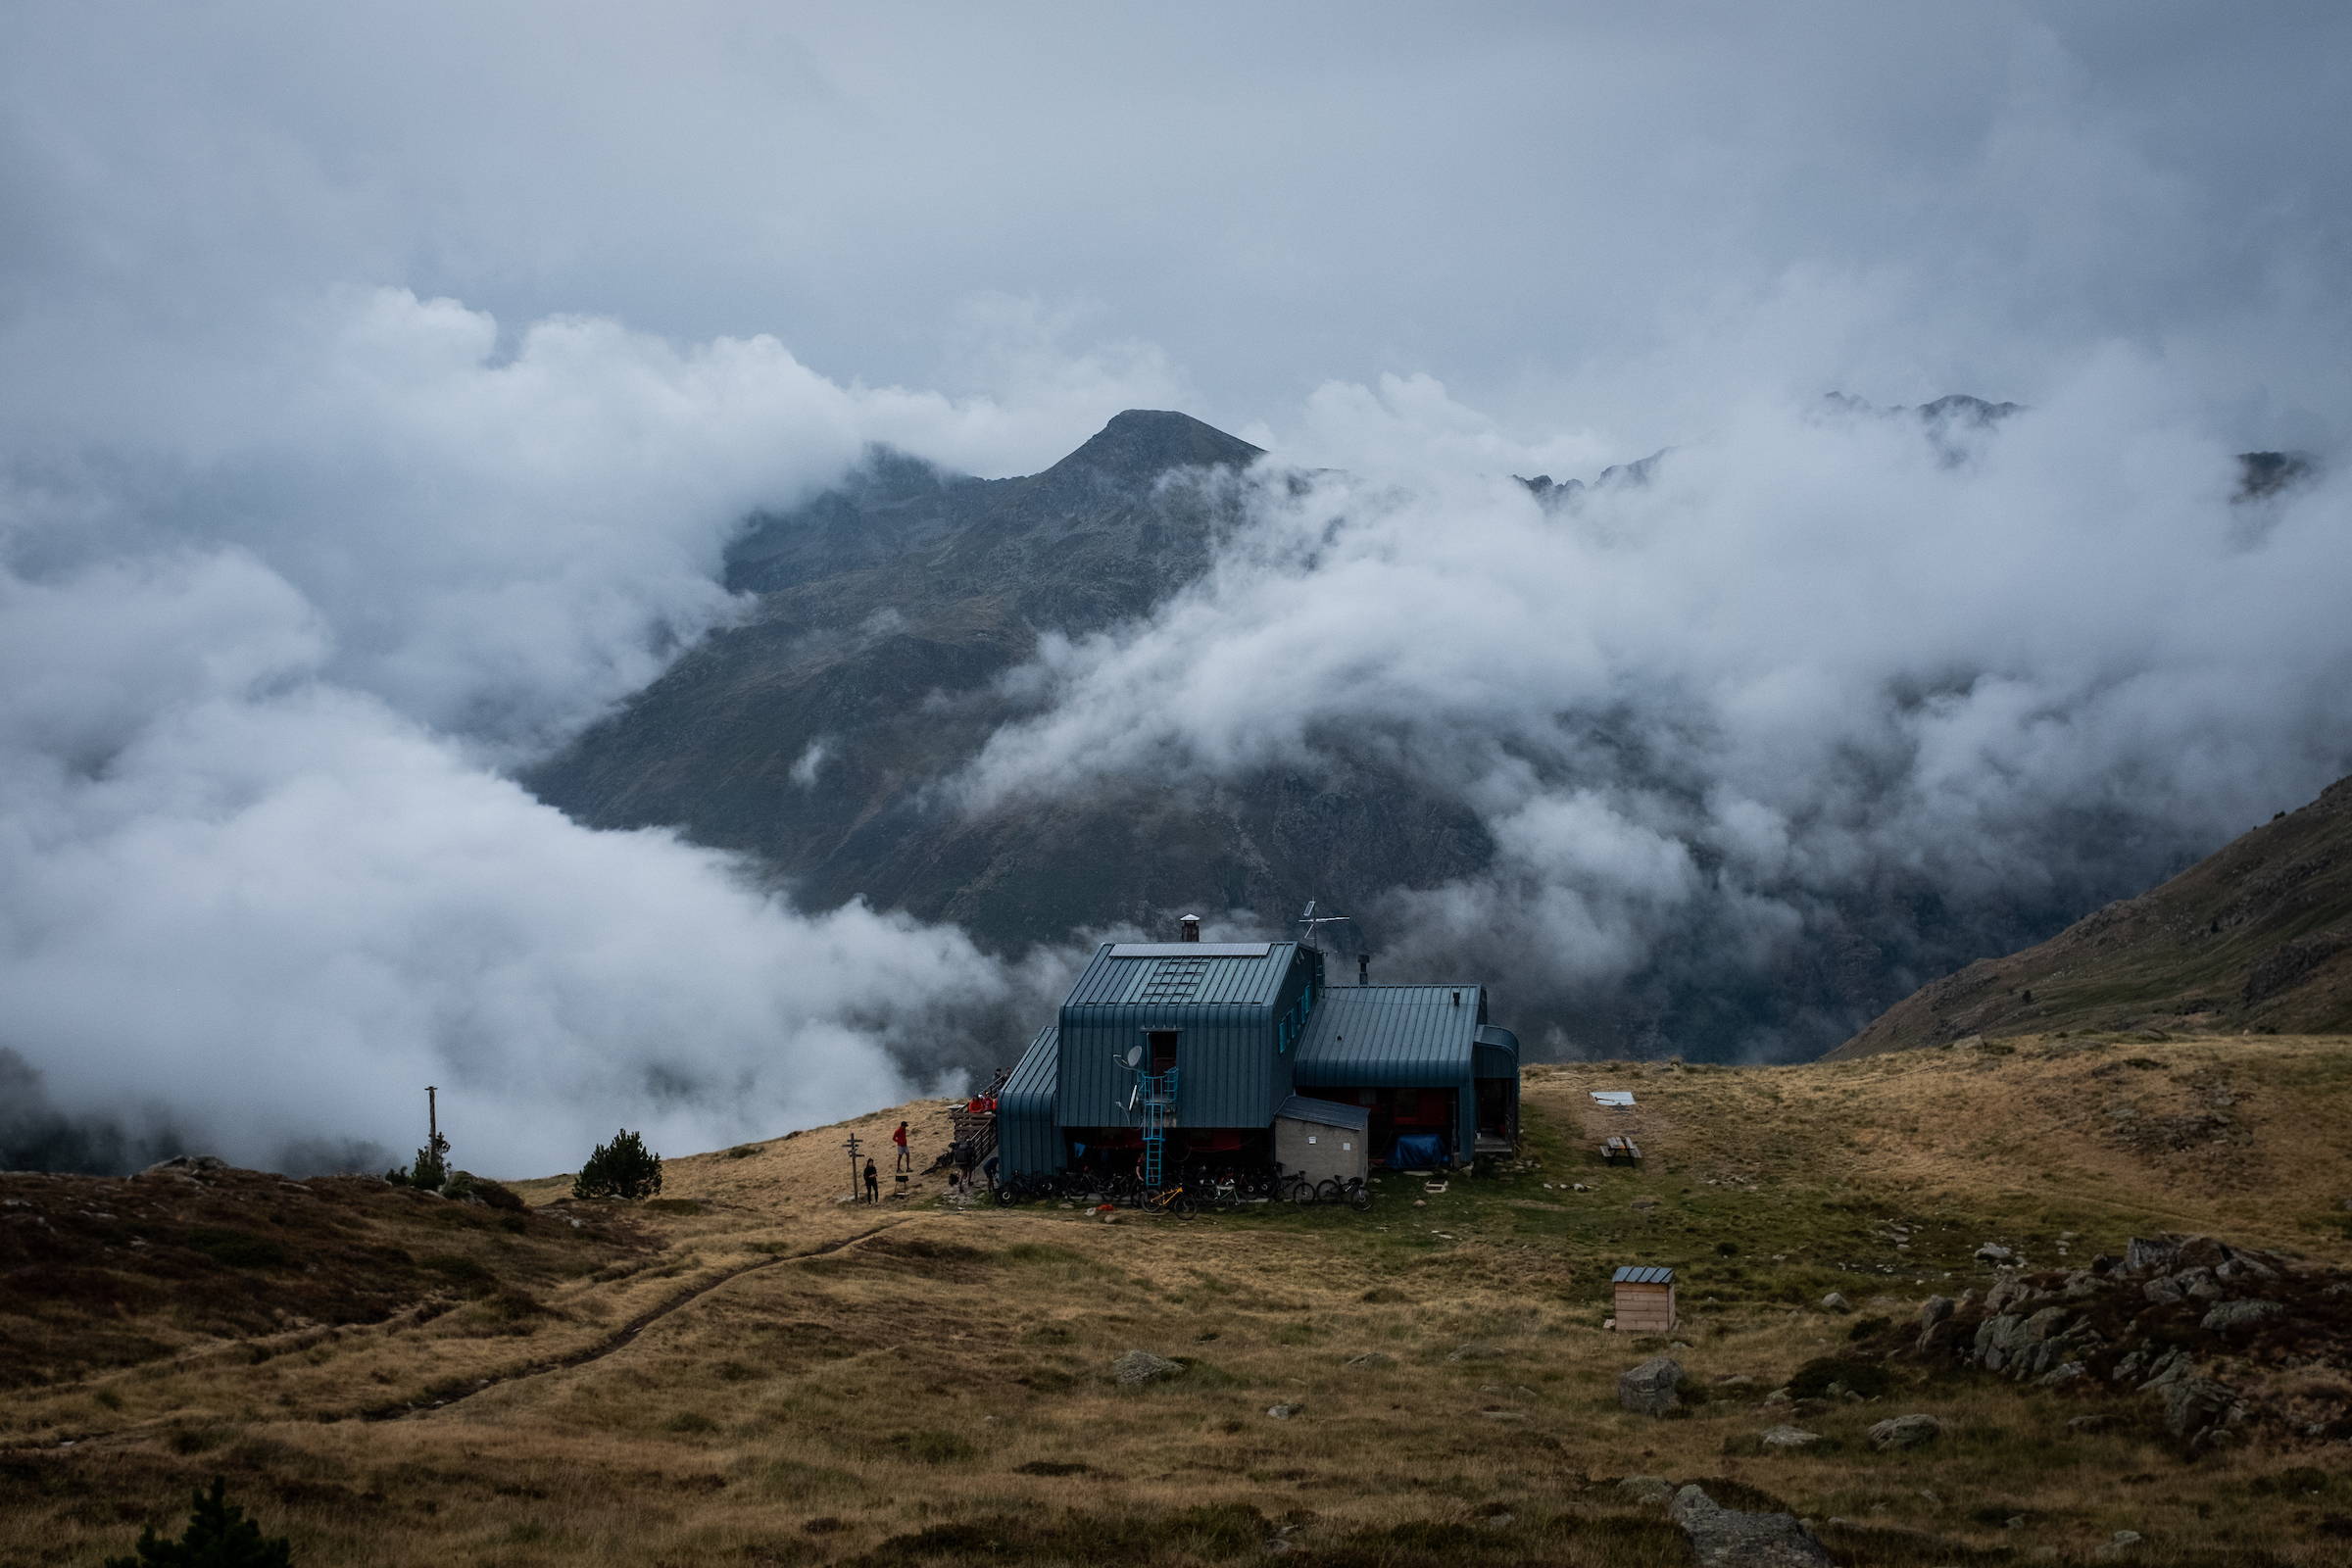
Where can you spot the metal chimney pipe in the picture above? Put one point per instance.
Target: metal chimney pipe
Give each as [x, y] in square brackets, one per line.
[1190, 927]
[1364, 968]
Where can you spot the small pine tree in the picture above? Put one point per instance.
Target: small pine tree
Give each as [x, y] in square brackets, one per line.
[218, 1536]
[622, 1168]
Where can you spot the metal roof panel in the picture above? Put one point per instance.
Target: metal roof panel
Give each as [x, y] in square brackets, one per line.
[1374, 1036]
[1325, 1112]
[1642, 1274]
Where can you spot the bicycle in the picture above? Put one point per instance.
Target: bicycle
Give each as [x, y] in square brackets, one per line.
[1176, 1201]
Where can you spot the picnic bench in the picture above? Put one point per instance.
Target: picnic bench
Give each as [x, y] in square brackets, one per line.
[1620, 1150]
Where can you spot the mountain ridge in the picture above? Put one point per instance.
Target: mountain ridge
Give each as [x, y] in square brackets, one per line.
[2256, 936]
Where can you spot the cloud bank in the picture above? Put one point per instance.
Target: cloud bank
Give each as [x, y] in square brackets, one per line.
[1825, 660]
[267, 650]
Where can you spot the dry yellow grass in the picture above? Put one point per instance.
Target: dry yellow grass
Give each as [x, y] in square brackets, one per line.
[835, 1384]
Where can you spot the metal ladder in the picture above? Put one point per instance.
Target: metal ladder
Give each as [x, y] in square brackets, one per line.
[1155, 1098]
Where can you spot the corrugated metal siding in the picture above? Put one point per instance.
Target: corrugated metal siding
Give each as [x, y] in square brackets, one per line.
[1028, 1138]
[1497, 1054]
[1390, 1036]
[1229, 1073]
[1398, 1037]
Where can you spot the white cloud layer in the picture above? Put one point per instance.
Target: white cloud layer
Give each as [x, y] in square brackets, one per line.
[1820, 649]
[379, 385]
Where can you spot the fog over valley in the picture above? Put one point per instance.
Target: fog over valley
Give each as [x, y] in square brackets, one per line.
[397, 405]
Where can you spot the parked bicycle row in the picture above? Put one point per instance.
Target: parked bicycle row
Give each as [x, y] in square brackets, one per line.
[1194, 1190]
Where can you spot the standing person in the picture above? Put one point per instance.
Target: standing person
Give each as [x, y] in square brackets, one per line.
[906, 1159]
[873, 1183]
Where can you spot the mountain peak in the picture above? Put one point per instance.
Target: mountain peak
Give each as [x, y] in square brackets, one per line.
[1144, 443]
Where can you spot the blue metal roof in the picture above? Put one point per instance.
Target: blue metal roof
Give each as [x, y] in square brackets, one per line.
[1383, 1037]
[1325, 1113]
[1643, 1276]
[1183, 974]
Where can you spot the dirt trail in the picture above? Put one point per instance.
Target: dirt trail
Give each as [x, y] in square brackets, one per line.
[627, 1333]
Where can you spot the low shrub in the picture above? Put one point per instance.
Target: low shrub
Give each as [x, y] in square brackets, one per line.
[622, 1168]
[218, 1536]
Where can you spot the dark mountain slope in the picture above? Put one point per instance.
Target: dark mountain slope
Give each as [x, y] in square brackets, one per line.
[2258, 936]
[811, 735]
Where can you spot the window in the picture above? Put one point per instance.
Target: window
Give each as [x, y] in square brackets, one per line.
[1161, 1044]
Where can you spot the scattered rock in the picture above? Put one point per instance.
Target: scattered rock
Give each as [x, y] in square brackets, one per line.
[2118, 1546]
[1372, 1358]
[2194, 1406]
[1649, 1389]
[1283, 1413]
[1722, 1537]
[1836, 1301]
[1788, 1437]
[1138, 1367]
[1993, 1253]
[2238, 1317]
[186, 1165]
[1906, 1432]
[1933, 1310]
[1645, 1489]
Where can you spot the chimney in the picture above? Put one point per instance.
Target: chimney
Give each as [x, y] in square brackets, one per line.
[1190, 927]
[1364, 968]
[1457, 998]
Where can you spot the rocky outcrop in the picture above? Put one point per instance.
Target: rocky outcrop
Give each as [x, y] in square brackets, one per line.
[1722, 1537]
[2188, 1322]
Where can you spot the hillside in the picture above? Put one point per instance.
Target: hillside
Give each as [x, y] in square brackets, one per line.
[750, 1371]
[2256, 936]
[814, 736]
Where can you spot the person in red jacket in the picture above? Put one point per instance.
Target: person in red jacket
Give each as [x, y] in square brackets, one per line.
[906, 1159]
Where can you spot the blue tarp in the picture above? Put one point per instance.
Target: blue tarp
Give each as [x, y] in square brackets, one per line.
[1415, 1151]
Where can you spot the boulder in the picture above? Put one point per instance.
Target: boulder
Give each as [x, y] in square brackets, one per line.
[1933, 1310]
[2145, 1257]
[2240, 1317]
[1836, 1301]
[1283, 1412]
[2046, 1324]
[1649, 1389]
[1138, 1367]
[1906, 1432]
[1993, 1253]
[2194, 1407]
[1788, 1437]
[1722, 1537]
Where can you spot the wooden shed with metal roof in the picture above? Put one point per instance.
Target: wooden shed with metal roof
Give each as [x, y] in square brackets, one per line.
[1644, 1299]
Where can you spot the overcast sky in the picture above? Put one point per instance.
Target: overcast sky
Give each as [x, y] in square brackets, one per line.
[380, 385]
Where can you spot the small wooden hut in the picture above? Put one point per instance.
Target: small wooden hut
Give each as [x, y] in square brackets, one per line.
[1644, 1299]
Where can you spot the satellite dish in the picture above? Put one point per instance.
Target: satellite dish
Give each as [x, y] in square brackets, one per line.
[1134, 1056]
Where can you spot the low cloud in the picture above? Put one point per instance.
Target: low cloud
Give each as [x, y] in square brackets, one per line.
[1824, 655]
[262, 877]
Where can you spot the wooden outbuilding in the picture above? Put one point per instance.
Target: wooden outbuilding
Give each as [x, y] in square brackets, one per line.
[1644, 1299]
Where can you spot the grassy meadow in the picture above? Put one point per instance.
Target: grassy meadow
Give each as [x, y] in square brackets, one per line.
[750, 1371]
